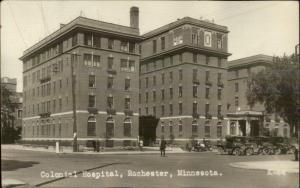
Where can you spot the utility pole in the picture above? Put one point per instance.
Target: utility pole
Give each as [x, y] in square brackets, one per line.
[73, 84]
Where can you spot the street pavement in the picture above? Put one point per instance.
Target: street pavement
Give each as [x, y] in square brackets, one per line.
[90, 170]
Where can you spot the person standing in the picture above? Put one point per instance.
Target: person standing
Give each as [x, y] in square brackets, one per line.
[141, 144]
[163, 147]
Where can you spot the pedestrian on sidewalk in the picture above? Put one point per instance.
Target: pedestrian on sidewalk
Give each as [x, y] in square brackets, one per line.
[163, 144]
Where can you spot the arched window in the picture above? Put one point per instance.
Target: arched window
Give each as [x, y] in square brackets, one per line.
[194, 128]
[110, 124]
[91, 126]
[127, 127]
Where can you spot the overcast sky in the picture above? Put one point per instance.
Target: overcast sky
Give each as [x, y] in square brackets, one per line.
[270, 27]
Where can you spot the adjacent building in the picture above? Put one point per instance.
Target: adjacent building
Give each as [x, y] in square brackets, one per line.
[243, 119]
[183, 76]
[105, 58]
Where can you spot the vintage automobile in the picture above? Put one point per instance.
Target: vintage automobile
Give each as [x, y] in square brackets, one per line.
[280, 145]
[233, 145]
[264, 144]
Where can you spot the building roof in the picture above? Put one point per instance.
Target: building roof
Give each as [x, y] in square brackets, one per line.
[86, 23]
[186, 20]
[250, 61]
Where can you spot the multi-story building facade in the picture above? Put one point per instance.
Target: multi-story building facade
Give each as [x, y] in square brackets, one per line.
[243, 119]
[182, 79]
[105, 59]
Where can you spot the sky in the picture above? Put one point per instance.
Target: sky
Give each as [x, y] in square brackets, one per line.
[268, 27]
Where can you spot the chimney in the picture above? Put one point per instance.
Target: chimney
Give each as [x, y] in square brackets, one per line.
[134, 17]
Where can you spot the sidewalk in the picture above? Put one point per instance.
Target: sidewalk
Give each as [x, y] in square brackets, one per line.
[147, 150]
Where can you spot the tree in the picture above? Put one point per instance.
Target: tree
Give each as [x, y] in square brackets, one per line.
[8, 132]
[277, 87]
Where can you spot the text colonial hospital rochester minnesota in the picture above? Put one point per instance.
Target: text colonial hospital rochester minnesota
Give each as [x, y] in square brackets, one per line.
[131, 173]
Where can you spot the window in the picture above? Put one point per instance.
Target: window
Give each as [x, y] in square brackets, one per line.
[154, 46]
[219, 78]
[194, 128]
[236, 101]
[110, 124]
[74, 40]
[171, 60]
[180, 74]
[127, 84]
[147, 110]
[162, 62]
[154, 110]
[219, 109]
[60, 84]
[219, 94]
[237, 73]
[171, 76]
[162, 40]
[171, 93]
[154, 80]
[127, 65]
[219, 62]
[92, 81]
[60, 105]
[110, 62]
[236, 86]
[92, 100]
[131, 47]
[110, 44]
[195, 57]
[124, 46]
[171, 127]
[180, 91]
[207, 92]
[87, 59]
[207, 60]
[96, 60]
[162, 127]
[147, 97]
[195, 92]
[206, 76]
[180, 58]
[127, 103]
[110, 102]
[219, 131]
[88, 39]
[163, 78]
[127, 127]
[171, 109]
[195, 108]
[194, 37]
[147, 82]
[110, 82]
[180, 108]
[91, 126]
[180, 128]
[96, 41]
[195, 73]
[206, 109]
[140, 98]
[177, 38]
[232, 128]
[162, 110]
[154, 65]
[219, 40]
[154, 95]
[207, 38]
[207, 130]
[162, 94]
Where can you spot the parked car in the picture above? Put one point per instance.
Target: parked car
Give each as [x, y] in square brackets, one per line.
[233, 145]
[281, 145]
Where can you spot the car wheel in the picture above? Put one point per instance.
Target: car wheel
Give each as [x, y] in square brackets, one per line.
[236, 151]
[277, 151]
[249, 151]
[267, 151]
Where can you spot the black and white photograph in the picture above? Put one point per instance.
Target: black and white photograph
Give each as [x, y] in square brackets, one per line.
[149, 94]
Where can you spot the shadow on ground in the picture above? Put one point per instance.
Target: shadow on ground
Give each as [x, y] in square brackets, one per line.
[10, 165]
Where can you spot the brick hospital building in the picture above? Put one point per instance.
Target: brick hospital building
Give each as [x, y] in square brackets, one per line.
[178, 73]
